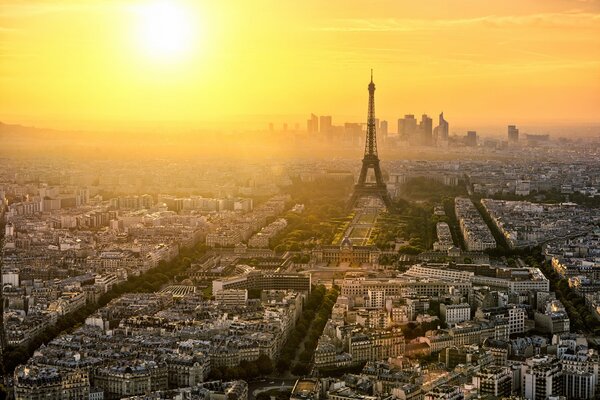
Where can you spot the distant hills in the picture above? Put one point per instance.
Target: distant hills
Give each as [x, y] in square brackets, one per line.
[9, 130]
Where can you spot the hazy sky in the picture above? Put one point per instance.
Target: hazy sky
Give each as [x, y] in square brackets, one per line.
[101, 63]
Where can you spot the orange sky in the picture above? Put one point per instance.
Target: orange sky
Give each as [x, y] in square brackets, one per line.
[85, 64]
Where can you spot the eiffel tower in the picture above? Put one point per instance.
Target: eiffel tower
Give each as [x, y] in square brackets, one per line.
[370, 161]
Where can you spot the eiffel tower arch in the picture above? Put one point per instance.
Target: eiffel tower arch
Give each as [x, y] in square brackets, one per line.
[370, 161]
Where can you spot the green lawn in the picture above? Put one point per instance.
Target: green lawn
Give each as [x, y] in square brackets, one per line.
[367, 218]
[359, 233]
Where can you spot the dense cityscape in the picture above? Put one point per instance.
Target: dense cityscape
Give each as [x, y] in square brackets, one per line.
[277, 200]
[452, 279]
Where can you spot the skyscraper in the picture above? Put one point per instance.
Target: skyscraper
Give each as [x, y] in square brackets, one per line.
[410, 125]
[400, 130]
[383, 129]
[440, 133]
[471, 138]
[426, 129]
[312, 124]
[513, 134]
[353, 132]
[325, 124]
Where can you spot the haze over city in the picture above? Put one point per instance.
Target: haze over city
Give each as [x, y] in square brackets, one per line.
[311, 200]
[125, 65]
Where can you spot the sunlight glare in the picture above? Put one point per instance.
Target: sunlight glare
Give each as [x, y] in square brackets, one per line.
[166, 30]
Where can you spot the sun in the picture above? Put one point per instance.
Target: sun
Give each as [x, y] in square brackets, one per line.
[166, 29]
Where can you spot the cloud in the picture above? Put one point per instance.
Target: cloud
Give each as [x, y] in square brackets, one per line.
[544, 20]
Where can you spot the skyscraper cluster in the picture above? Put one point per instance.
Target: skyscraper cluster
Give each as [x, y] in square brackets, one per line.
[322, 124]
[349, 132]
[423, 133]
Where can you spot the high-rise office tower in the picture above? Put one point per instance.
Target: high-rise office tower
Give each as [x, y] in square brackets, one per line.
[353, 132]
[410, 125]
[426, 129]
[440, 133]
[312, 124]
[400, 130]
[325, 124]
[383, 129]
[471, 138]
[513, 134]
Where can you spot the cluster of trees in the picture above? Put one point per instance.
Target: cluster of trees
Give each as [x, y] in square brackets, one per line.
[245, 370]
[309, 328]
[452, 221]
[301, 258]
[150, 281]
[409, 221]
[411, 250]
[324, 213]
[388, 259]
[254, 293]
[413, 330]
[414, 220]
[434, 308]
[302, 366]
[581, 318]
[584, 200]
[501, 242]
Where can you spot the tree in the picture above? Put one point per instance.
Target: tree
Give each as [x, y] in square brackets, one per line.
[254, 293]
[305, 356]
[300, 369]
[434, 308]
[215, 373]
[411, 250]
[264, 364]
[283, 364]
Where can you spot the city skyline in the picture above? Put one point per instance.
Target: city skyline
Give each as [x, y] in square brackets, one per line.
[386, 200]
[99, 65]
